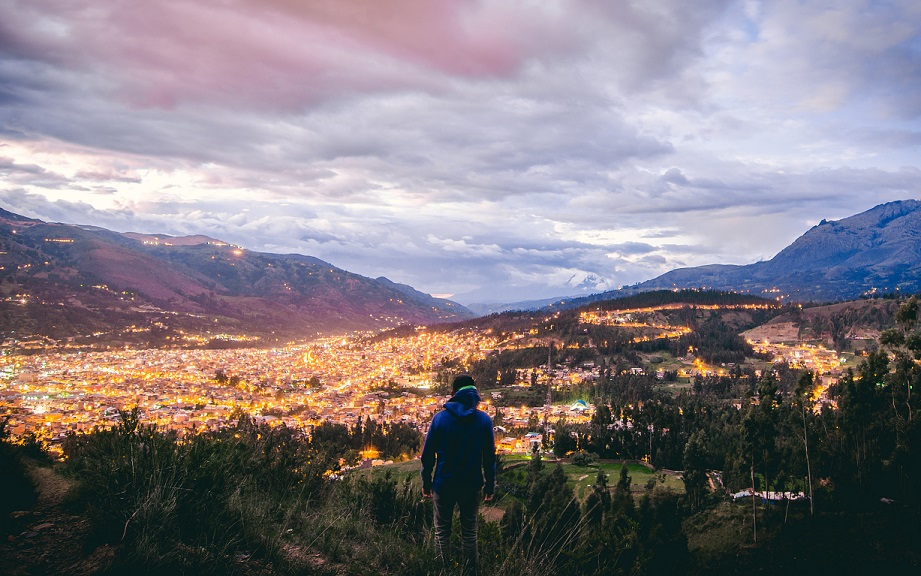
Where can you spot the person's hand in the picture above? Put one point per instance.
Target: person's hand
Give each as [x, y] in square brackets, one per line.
[426, 493]
[487, 497]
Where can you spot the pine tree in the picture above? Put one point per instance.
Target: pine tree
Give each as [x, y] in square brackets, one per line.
[598, 503]
[695, 469]
[622, 503]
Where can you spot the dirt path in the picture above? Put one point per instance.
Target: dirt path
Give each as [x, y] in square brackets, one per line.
[48, 539]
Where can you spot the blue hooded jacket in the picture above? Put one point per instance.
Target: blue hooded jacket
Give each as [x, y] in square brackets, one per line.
[460, 447]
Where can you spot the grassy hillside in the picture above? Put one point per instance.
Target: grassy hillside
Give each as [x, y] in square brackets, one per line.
[257, 500]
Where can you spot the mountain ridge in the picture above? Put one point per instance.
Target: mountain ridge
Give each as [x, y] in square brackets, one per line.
[59, 281]
[875, 251]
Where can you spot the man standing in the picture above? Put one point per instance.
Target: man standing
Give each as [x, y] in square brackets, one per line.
[461, 449]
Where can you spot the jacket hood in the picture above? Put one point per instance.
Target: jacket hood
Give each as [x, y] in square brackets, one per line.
[464, 402]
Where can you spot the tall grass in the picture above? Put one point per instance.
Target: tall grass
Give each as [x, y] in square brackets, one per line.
[257, 499]
[17, 491]
[202, 504]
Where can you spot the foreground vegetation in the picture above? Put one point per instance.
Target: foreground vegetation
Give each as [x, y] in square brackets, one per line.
[255, 499]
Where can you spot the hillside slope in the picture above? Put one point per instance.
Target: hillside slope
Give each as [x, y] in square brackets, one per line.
[70, 282]
[877, 250]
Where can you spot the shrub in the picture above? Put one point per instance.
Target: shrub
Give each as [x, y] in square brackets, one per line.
[583, 458]
[17, 491]
[197, 503]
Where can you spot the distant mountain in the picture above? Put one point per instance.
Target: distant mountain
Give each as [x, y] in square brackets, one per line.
[876, 251]
[89, 285]
[497, 298]
[495, 308]
[420, 297]
[168, 240]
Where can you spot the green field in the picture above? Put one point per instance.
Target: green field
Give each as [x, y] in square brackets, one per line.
[580, 478]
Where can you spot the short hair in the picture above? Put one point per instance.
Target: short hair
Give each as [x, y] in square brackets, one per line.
[462, 381]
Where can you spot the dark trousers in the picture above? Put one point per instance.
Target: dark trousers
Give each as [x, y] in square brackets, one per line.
[467, 501]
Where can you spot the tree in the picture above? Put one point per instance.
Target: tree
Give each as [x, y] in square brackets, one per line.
[533, 422]
[499, 418]
[695, 471]
[859, 407]
[535, 465]
[599, 440]
[663, 547]
[598, 503]
[622, 503]
[759, 432]
[804, 392]
[759, 429]
[904, 342]
[331, 438]
[563, 440]
[583, 458]
[554, 516]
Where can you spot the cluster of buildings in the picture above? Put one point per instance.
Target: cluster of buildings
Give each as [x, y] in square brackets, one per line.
[825, 363]
[340, 380]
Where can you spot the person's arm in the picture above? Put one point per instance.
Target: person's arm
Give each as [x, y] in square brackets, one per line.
[489, 462]
[428, 457]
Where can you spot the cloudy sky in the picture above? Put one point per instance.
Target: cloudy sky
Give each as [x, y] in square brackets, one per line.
[496, 150]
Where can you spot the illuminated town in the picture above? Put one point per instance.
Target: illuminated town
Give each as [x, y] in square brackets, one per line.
[824, 362]
[340, 380]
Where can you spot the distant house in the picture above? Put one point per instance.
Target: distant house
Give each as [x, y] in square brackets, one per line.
[534, 440]
[769, 496]
[508, 444]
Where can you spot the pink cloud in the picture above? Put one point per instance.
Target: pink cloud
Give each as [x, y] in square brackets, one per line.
[278, 53]
[456, 36]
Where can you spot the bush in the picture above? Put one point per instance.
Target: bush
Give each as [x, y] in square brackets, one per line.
[17, 491]
[583, 458]
[197, 504]
[253, 499]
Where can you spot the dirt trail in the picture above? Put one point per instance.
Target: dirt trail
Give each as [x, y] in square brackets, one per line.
[48, 539]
